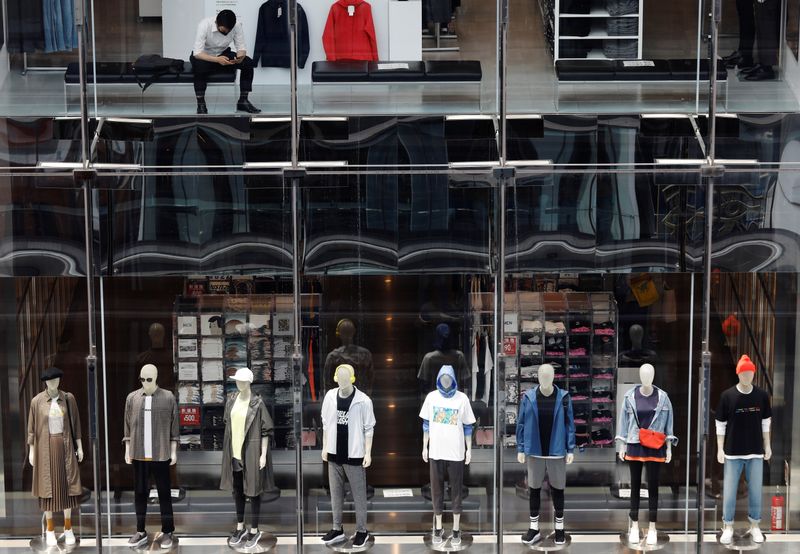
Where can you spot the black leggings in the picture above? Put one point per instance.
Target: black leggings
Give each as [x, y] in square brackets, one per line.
[239, 499]
[653, 469]
[536, 501]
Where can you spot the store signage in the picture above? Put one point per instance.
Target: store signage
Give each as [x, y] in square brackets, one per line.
[397, 493]
[509, 346]
[190, 416]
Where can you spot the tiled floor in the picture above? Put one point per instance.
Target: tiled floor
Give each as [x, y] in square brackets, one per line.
[531, 83]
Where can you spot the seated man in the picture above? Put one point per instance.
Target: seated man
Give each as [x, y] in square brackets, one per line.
[212, 54]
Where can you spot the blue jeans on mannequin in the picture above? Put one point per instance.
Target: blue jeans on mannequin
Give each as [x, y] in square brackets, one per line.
[753, 474]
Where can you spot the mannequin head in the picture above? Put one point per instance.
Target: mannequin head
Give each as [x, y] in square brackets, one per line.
[745, 371]
[156, 334]
[346, 331]
[345, 377]
[52, 384]
[646, 375]
[52, 379]
[546, 375]
[441, 340]
[148, 376]
[446, 381]
[637, 335]
[243, 378]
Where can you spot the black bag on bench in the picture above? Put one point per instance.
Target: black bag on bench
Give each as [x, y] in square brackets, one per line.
[149, 67]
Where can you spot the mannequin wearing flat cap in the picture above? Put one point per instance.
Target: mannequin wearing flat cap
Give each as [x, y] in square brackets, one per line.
[245, 447]
[743, 420]
[151, 446]
[351, 354]
[348, 425]
[54, 438]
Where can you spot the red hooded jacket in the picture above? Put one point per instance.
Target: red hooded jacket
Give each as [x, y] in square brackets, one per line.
[349, 37]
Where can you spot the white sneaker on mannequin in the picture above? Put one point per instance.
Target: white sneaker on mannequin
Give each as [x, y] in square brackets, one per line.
[50, 538]
[633, 533]
[755, 533]
[69, 536]
[652, 536]
[727, 534]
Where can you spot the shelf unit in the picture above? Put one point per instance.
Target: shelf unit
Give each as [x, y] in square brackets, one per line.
[576, 332]
[252, 330]
[572, 35]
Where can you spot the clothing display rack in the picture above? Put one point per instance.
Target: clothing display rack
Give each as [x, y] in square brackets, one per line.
[593, 29]
[576, 332]
[438, 38]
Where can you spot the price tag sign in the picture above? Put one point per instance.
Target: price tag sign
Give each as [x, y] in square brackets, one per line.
[509, 346]
[190, 416]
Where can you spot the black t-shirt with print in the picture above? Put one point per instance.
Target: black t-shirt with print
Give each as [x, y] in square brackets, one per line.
[743, 414]
[342, 431]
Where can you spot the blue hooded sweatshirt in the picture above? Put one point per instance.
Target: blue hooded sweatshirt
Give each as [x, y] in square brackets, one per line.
[447, 393]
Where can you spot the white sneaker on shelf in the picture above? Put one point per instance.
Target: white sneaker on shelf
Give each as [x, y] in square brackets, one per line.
[727, 534]
[652, 536]
[633, 534]
[50, 538]
[69, 536]
[756, 534]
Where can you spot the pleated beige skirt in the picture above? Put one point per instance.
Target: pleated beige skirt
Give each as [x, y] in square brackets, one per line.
[61, 500]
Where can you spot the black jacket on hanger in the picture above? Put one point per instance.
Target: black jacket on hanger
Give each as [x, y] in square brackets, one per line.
[272, 35]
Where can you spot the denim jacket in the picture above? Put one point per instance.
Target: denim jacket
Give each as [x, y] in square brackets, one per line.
[628, 430]
[562, 439]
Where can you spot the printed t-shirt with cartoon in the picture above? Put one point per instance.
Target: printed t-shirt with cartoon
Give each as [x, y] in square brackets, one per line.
[447, 416]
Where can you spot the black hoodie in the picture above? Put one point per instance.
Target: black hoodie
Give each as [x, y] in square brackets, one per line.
[272, 35]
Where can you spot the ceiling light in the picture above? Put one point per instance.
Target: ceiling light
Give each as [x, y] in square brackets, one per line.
[522, 163]
[474, 117]
[266, 165]
[340, 163]
[677, 161]
[129, 120]
[270, 119]
[476, 165]
[60, 165]
[130, 167]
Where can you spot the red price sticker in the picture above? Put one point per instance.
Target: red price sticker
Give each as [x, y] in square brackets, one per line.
[509, 346]
[190, 416]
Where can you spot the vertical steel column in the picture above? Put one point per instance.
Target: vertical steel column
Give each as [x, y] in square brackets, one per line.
[86, 180]
[711, 171]
[502, 96]
[297, 356]
[502, 177]
[295, 124]
[80, 22]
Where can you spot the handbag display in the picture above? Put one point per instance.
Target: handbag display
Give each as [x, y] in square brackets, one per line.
[647, 437]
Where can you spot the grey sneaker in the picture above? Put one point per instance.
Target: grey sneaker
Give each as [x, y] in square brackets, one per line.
[166, 541]
[437, 536]
[139, 538]
[237, 536]
[252, 539]
[456, 538]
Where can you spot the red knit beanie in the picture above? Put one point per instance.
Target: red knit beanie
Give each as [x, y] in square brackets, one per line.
[745, 365]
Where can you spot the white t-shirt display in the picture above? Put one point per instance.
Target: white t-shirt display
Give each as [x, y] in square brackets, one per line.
[446, 418]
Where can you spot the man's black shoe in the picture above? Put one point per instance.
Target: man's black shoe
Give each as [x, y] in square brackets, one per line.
[246, 106]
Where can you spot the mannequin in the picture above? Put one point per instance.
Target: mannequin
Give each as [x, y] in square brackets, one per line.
[349, 353]
[743, 420]
[545, 442]
[488, 365]
[637, 354]
[443, 354]
[348, 423]
[654, 412]
[159, 354]
[54, 432]
[447, 421]
[151, 446]
[247, 424]
[759, 21]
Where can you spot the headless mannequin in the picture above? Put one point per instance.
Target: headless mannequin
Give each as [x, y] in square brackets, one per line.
[637, 354]
[150, 372]
[646, 375]
[546, 375]
[487, 374]
[53, 392]
[447, 382]
[244, 397]
[745, 386]
[442, 354]
[344, 378]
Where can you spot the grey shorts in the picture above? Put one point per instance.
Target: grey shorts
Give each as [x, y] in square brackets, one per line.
[555, 468]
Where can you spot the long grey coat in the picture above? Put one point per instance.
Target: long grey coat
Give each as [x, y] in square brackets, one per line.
[39, 440]
[258, 424]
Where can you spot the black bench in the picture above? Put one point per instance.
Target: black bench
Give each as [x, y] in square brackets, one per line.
[121, 73]
[396, 72]
[635, 70]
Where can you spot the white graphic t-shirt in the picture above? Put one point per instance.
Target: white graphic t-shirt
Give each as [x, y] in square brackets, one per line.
[447, 417]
